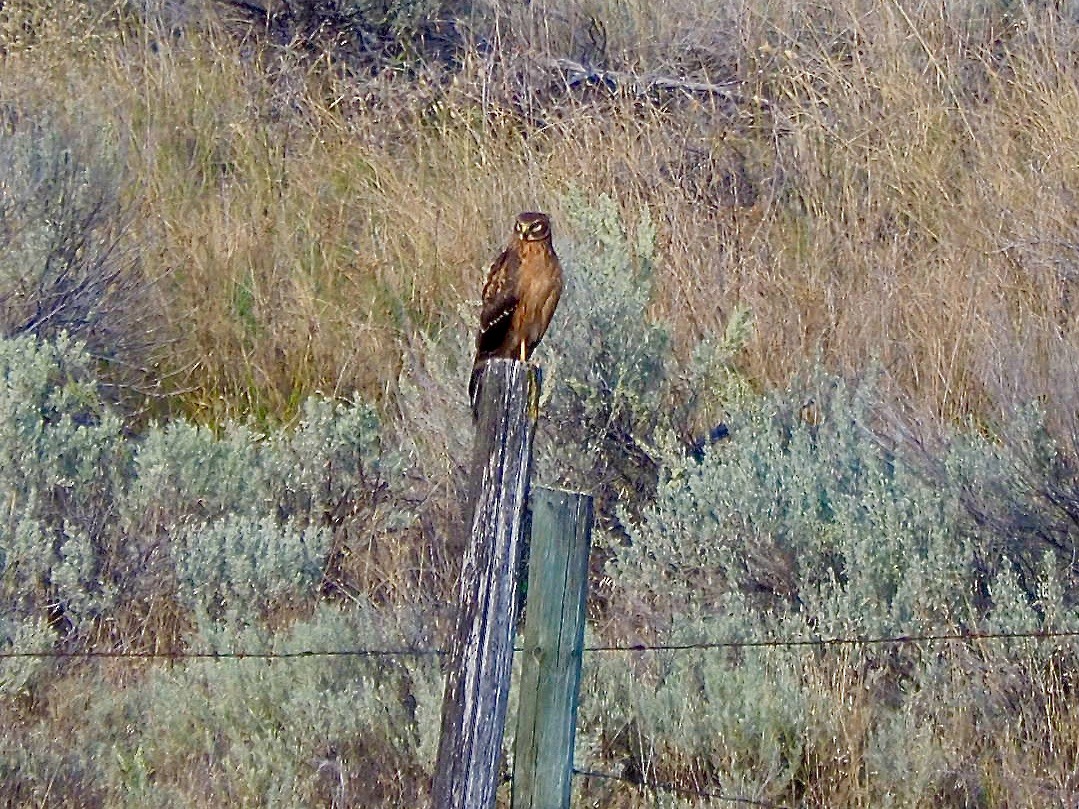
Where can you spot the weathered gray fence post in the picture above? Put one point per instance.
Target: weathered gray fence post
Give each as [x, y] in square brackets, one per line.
[554, 639]
[477, 686]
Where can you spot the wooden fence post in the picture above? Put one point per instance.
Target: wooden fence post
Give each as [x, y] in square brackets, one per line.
[554, 639]
[477, 685]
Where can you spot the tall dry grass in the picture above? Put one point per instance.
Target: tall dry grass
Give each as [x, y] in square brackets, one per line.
[886, 182]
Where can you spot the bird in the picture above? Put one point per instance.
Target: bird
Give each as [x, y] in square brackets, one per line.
[522, 290]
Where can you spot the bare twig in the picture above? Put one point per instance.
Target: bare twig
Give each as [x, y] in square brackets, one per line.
[578, 74]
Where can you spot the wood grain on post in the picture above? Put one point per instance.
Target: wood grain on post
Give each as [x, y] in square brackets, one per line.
[554, 639]
[477, 685]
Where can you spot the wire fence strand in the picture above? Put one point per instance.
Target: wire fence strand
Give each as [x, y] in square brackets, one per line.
[231, 655]
[953, 637]
[824, 642]
[675, 789]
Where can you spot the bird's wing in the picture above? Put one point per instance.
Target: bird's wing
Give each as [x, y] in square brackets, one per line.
[550, 300]
[500, 299]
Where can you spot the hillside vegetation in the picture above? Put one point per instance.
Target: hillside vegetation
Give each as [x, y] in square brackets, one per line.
[241, 247]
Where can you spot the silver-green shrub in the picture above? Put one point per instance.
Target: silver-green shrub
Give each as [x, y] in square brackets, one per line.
[340, 730]
[222, 538]
[67, 262]
[240, 522]
[62, 464]
[740, 715]
[22, 637]
[243, 568]
[807, 524]
[605, 381]
[333, 464]
[614, 392]
[250, 519]
[611, 354]
[183, 470]
[1019, 487]
[812, 519]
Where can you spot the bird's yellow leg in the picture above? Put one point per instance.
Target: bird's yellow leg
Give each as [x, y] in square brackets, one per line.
[522, 351]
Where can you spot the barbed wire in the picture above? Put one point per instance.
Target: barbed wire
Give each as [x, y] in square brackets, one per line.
[636, 647]
[823, 642]
[231, 655]
[675, 789]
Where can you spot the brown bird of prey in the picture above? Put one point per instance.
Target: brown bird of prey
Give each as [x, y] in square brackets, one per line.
[520, 296]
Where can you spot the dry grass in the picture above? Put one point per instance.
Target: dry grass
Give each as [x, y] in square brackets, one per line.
[892, 182]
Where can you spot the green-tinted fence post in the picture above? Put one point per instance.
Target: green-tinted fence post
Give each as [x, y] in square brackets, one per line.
[554, 637]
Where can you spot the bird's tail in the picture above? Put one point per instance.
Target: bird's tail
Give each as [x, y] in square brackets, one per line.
[474, 385]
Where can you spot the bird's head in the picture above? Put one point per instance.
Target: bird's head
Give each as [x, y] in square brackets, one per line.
[532, 226]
